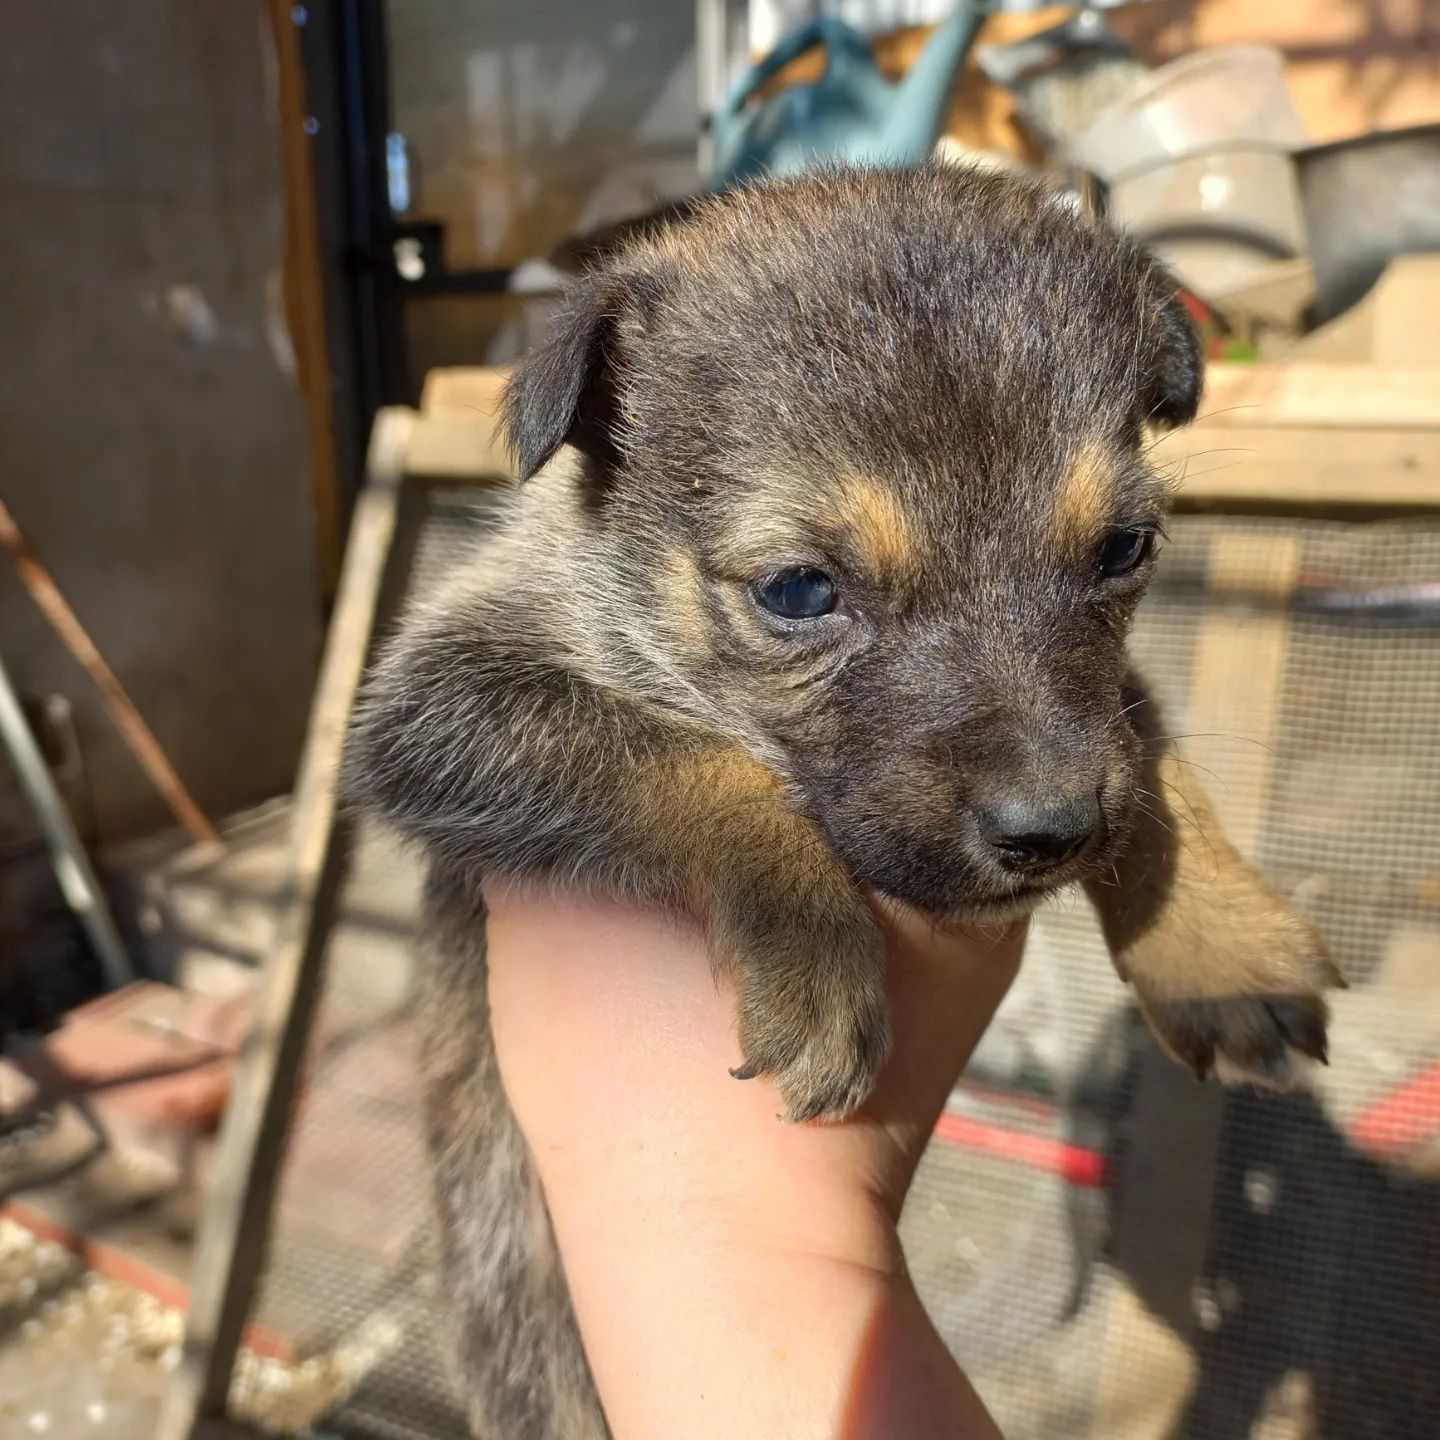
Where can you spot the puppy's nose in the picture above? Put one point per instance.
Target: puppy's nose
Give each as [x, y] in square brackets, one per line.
[1040, 834]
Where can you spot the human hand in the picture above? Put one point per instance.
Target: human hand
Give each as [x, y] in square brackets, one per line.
[731, 1274]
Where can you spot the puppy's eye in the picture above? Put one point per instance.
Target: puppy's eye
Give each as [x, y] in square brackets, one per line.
[1124, 551]
[797, 594]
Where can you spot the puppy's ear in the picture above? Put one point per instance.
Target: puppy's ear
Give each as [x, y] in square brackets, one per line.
[1175, 365]
[568, 390]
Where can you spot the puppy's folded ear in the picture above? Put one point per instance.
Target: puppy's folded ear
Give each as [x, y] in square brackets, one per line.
[1174, 362]
[568, 391]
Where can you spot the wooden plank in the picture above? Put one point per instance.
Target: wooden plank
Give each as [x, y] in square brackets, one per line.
[134, 731]
[1279, 394]
[304, 294]
[1358, 437]
[457, 436]
[451, 446]
[1322, 396]
[469, 389]
[1393, 325]
[1297, 467]
[231, 1241]
[1238, 673]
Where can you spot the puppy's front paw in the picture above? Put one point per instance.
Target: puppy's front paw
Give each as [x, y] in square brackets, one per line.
[814, 1019]
[1255, 1039]
[1263, 1037]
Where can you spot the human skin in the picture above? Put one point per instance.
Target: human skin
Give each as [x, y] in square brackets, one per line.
[732, 1275]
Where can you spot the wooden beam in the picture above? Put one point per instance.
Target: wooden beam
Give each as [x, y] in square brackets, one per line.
[230, 1247]
[1271, 438]
[304, 295]
[134, 731]
[452, 447]
[1237, 675]
[1300, 437]
[1294, 467]
[1324, 397]
[472, 390]
[457, 437]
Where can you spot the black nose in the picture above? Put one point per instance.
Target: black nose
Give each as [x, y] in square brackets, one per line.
[1040, 834]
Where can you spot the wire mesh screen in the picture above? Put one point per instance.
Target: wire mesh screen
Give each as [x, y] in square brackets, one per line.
[1112, 1250]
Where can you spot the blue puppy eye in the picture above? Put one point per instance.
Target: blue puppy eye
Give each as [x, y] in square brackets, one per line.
[1125, 550]
[797, 594]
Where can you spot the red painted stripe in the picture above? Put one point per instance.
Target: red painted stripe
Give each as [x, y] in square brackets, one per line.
[1402, 1119]
[1072, 1163]
[126, 1270]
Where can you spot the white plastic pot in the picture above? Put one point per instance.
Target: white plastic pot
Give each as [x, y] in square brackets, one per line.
[1217, 219]
[1228, 97]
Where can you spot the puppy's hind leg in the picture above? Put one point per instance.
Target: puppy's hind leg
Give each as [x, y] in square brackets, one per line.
[521, 1366]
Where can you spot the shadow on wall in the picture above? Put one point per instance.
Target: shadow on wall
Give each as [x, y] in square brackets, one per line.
[1312, 1301]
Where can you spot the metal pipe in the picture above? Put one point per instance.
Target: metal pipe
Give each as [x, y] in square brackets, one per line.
[67, 855]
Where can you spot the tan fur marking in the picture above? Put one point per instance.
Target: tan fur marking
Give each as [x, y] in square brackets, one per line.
[681, 800]
[684, 600]
[1202, 924]
[878, 525]
[1082, 508]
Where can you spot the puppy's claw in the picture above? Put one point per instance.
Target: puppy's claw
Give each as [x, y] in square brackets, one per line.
[1301, 1024]
[1243, 1038]
[825, 1076]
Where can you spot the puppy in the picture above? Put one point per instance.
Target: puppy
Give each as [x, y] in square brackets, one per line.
[828, 587]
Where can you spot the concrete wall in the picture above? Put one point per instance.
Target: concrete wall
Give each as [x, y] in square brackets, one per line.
[151, 437]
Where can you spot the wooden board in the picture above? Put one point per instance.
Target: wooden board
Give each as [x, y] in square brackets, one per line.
[457, 434]
[304, 295]
[472, 390]
[458, 449]
[1324, 396]
[1322, 438]
[1238, 674]
[1295, 469]
[231, 1242]
[1271, 437]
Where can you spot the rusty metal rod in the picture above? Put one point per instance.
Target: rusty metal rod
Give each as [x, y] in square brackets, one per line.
[131, 724]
